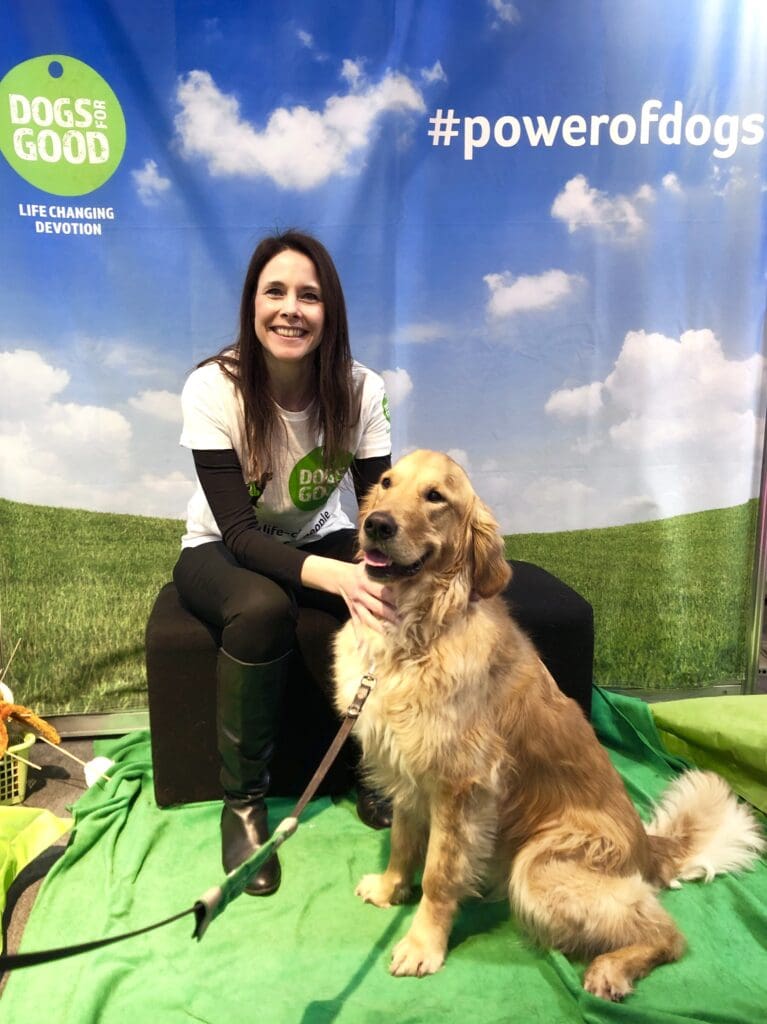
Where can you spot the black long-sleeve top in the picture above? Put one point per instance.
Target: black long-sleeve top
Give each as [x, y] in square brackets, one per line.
[220, 475]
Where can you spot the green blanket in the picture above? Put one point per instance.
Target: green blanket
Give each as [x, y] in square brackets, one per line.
[314, 954]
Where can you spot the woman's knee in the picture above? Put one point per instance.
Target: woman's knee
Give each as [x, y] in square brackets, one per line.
[260, 624]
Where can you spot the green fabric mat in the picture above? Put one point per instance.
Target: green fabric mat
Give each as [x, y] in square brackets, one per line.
[24, 833]
[726, 734]
[314, 954]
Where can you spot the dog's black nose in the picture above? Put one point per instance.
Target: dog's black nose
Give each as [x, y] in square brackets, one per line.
[380, 526]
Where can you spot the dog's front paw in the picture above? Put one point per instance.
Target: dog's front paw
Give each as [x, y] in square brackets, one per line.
[381, 890]
[414, 958]
[606, 979]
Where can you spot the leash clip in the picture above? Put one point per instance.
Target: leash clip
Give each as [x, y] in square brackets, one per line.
[366, 685]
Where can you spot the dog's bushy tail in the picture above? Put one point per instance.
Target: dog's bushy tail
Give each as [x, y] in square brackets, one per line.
[700, 830]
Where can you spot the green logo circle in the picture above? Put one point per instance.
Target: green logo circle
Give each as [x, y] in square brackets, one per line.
[311, 483]
[61, 126]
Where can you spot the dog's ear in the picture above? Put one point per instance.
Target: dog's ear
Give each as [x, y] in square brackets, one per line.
[491, 571]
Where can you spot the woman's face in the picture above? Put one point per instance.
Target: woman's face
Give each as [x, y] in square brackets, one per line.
[289, 312]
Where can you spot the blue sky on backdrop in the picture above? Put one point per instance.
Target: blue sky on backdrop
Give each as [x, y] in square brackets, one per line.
[580, 324]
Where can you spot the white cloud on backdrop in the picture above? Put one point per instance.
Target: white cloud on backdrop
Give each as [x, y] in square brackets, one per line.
[26, 379]
[505, 11]
[548, 492]
[618, 217]
[150, 184]
[573, 402]
[664, 393]
[353, 72]
[672, 184]
[120, 358]
[674, 415]
[623, 218]
[436, 73]
[76, 455]
[332, 141]
[727, 180]
[399, 384]
[307, 40]
[422, 333]
[528, 293]
[162, 404]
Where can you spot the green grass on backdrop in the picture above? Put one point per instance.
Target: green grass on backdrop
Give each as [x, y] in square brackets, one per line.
[671, 598]
[77, 588]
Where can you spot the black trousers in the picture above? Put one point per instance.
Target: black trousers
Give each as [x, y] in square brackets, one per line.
[259, 619]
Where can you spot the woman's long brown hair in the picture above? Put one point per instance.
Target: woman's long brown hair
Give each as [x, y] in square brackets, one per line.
[336, 408]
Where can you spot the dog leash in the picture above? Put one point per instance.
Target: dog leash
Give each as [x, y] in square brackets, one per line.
[216, 899]
[352, 714]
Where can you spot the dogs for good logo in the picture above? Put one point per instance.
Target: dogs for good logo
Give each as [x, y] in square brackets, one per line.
[311, 482]
[61, 127]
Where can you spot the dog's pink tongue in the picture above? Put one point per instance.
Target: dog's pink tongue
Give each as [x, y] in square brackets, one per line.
[376, 558]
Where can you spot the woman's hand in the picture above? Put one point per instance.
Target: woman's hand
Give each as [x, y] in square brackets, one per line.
[369, 603]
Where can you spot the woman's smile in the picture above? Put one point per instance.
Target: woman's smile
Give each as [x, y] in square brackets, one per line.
[289, 332]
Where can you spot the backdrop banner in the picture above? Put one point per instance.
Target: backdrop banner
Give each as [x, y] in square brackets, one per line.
[549, 223]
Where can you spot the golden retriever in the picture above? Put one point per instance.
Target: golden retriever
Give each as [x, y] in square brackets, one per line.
[496, 777]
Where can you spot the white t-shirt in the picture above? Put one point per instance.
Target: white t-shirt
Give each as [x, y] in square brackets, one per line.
[301, 502]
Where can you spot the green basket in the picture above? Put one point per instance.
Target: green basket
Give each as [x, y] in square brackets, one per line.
[13, 773]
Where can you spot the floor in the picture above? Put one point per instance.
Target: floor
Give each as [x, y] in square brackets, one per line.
[58, 785]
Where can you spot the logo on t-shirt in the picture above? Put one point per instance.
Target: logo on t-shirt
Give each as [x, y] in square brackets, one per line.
[257, 487]
[311, 482]
[255, 492]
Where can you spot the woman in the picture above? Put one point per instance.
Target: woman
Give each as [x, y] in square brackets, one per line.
[274, 423]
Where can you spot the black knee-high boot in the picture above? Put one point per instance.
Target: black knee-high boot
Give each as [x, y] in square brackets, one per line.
[249, 699]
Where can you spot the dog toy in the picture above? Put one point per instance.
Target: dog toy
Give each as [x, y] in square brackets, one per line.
[94, 770]
[26, 717]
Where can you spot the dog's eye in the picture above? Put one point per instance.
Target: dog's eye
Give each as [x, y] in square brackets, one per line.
[386, 482]
[434, 495]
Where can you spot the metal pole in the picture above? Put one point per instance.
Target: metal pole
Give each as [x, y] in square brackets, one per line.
[757, 581]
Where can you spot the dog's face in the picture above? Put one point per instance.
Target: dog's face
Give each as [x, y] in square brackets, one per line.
[423, 518]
